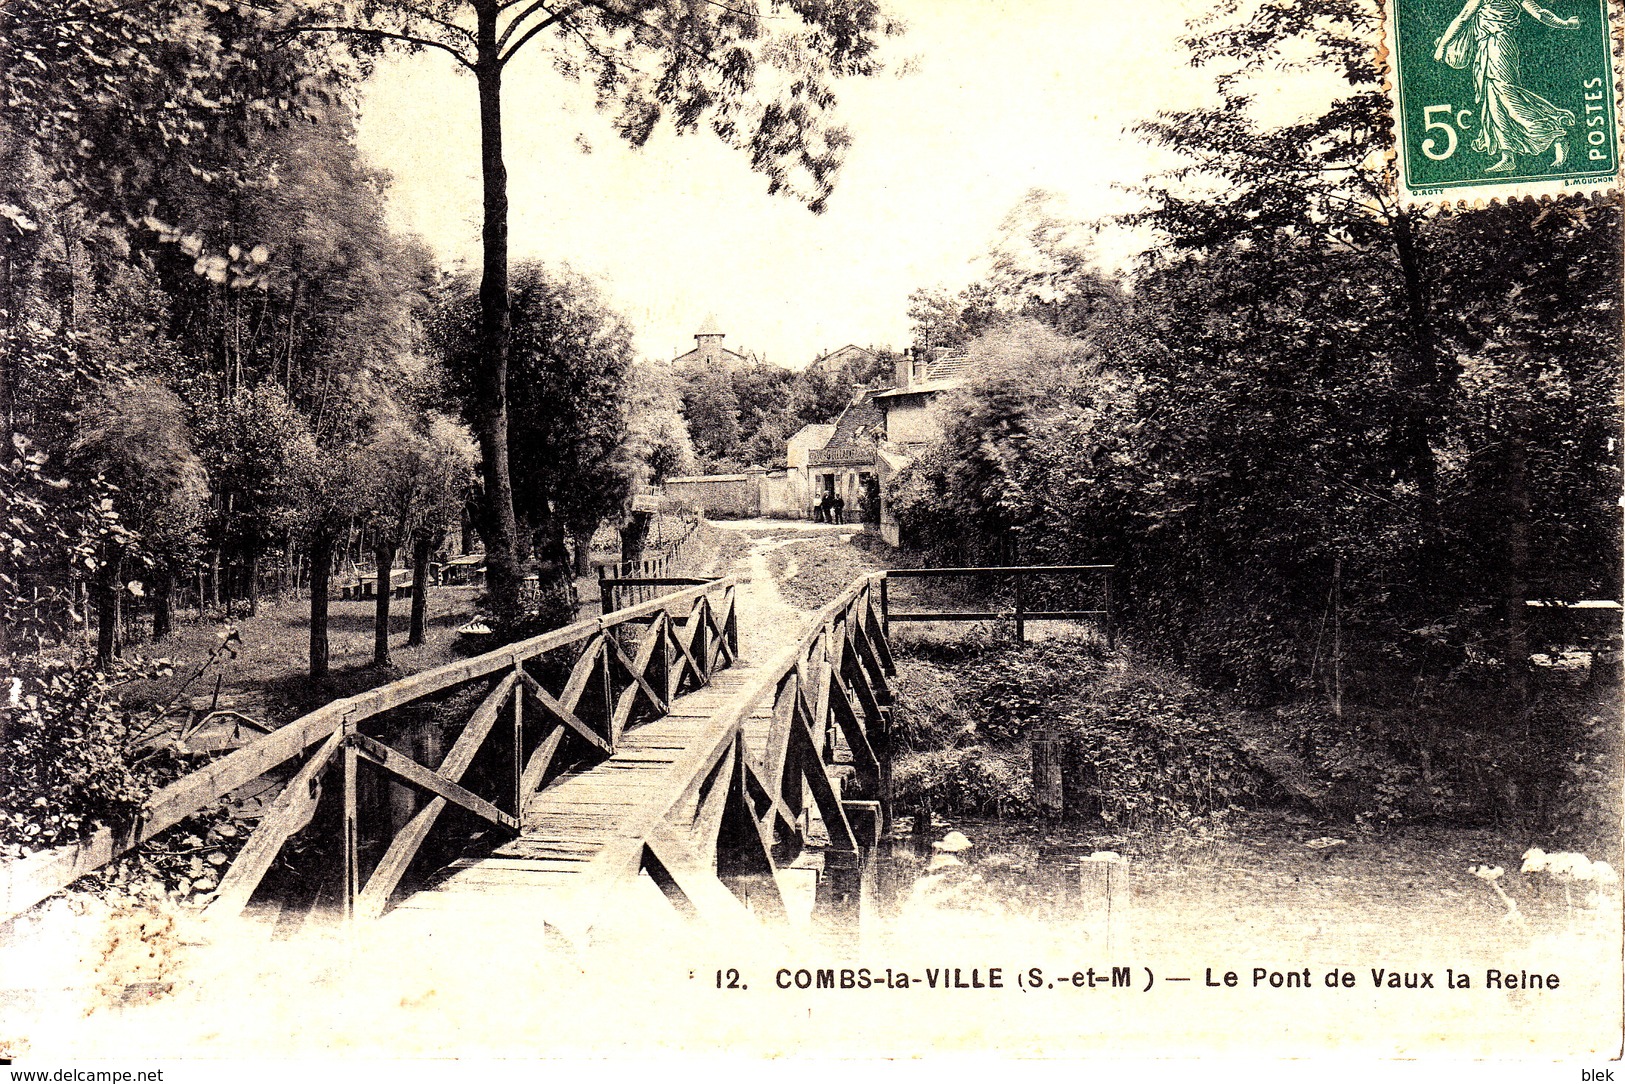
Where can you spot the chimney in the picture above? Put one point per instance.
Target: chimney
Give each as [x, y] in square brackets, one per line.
[904, 367]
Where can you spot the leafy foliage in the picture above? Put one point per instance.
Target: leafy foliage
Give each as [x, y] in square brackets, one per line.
[567, 387]
[1333, 446]
[72, 756]
[1145, 749]
[657, 445]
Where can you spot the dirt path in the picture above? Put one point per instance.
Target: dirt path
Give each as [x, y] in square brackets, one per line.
[787, 572]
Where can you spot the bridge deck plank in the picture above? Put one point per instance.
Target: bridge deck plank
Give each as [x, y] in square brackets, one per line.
[571, 822]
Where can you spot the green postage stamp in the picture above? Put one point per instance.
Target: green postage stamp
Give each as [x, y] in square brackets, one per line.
[1502, 98]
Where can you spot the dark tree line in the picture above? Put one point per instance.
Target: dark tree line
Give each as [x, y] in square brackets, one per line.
[1335, 445]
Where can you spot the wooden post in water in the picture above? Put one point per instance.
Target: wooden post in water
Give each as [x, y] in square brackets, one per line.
[849, 876]
[923, 836]
[1049, 795]
[1103, 898]
[840, 894]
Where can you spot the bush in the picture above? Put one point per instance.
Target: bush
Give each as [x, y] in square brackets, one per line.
[1145, 748]
[970, 779]
[71, 756]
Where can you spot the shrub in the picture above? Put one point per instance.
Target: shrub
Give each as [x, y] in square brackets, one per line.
[72, 757]
[1145, 748]
[969, 779]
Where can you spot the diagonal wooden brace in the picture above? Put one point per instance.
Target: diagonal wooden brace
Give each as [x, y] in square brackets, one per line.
[404, 767]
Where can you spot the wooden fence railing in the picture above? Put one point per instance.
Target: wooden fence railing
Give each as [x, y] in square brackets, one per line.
[613, 668]
[639, 581]
[1021, 576]
[732, 815]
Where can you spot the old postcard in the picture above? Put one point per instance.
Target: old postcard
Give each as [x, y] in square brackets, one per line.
[885, 529]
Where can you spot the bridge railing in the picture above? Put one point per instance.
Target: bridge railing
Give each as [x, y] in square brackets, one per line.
[734, 814]
[582, 685]
[1022, 576]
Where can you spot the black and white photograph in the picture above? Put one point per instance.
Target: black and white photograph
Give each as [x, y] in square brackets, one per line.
[539, 534]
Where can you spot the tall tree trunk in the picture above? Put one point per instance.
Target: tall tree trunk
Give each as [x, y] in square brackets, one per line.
[8, 305]
[384, 554]
[107, 615]
[581, 544]
[163, 593]
[1422, 382]
[321, 571]
[422, 547]
[491, 379]
[253, 580]
[214, 577]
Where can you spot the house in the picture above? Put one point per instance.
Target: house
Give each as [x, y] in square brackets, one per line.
[911, 420]
[844, 466]
[708, 350]
[875, 437]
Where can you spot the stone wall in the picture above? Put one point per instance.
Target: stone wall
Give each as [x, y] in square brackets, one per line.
[726, 496]
[755, 492]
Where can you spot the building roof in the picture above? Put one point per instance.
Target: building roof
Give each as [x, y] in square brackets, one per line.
[948, 368]
[860, 424]
[709, 327]
[929, 387]
[813, 436]
[944, 374]
[730, 356]
[893, 456]
[840, 356]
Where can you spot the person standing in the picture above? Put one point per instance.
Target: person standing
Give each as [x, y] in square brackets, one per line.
[840, 509]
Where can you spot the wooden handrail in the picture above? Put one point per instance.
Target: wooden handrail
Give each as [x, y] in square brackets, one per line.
[723, 737]
[26, 881]
[1021, 613]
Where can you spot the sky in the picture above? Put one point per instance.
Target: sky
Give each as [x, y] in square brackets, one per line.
[998, 97]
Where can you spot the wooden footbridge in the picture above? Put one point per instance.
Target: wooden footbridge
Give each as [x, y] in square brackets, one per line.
[565, 768]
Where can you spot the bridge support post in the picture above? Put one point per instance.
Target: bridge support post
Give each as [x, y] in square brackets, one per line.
[850, 876]
[885, 607]
[839, 901]
[351, 834]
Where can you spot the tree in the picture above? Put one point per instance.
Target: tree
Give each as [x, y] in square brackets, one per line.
[259, 449]
[448, 476]
[135, 436]
[648, 60]
[761, 390]
[1042, 266]
[418, 471]
[817, 396]
[657, 445]
[1321, 177]
[712, 410]
[567, 389]
[937, 319]
[147, 239]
